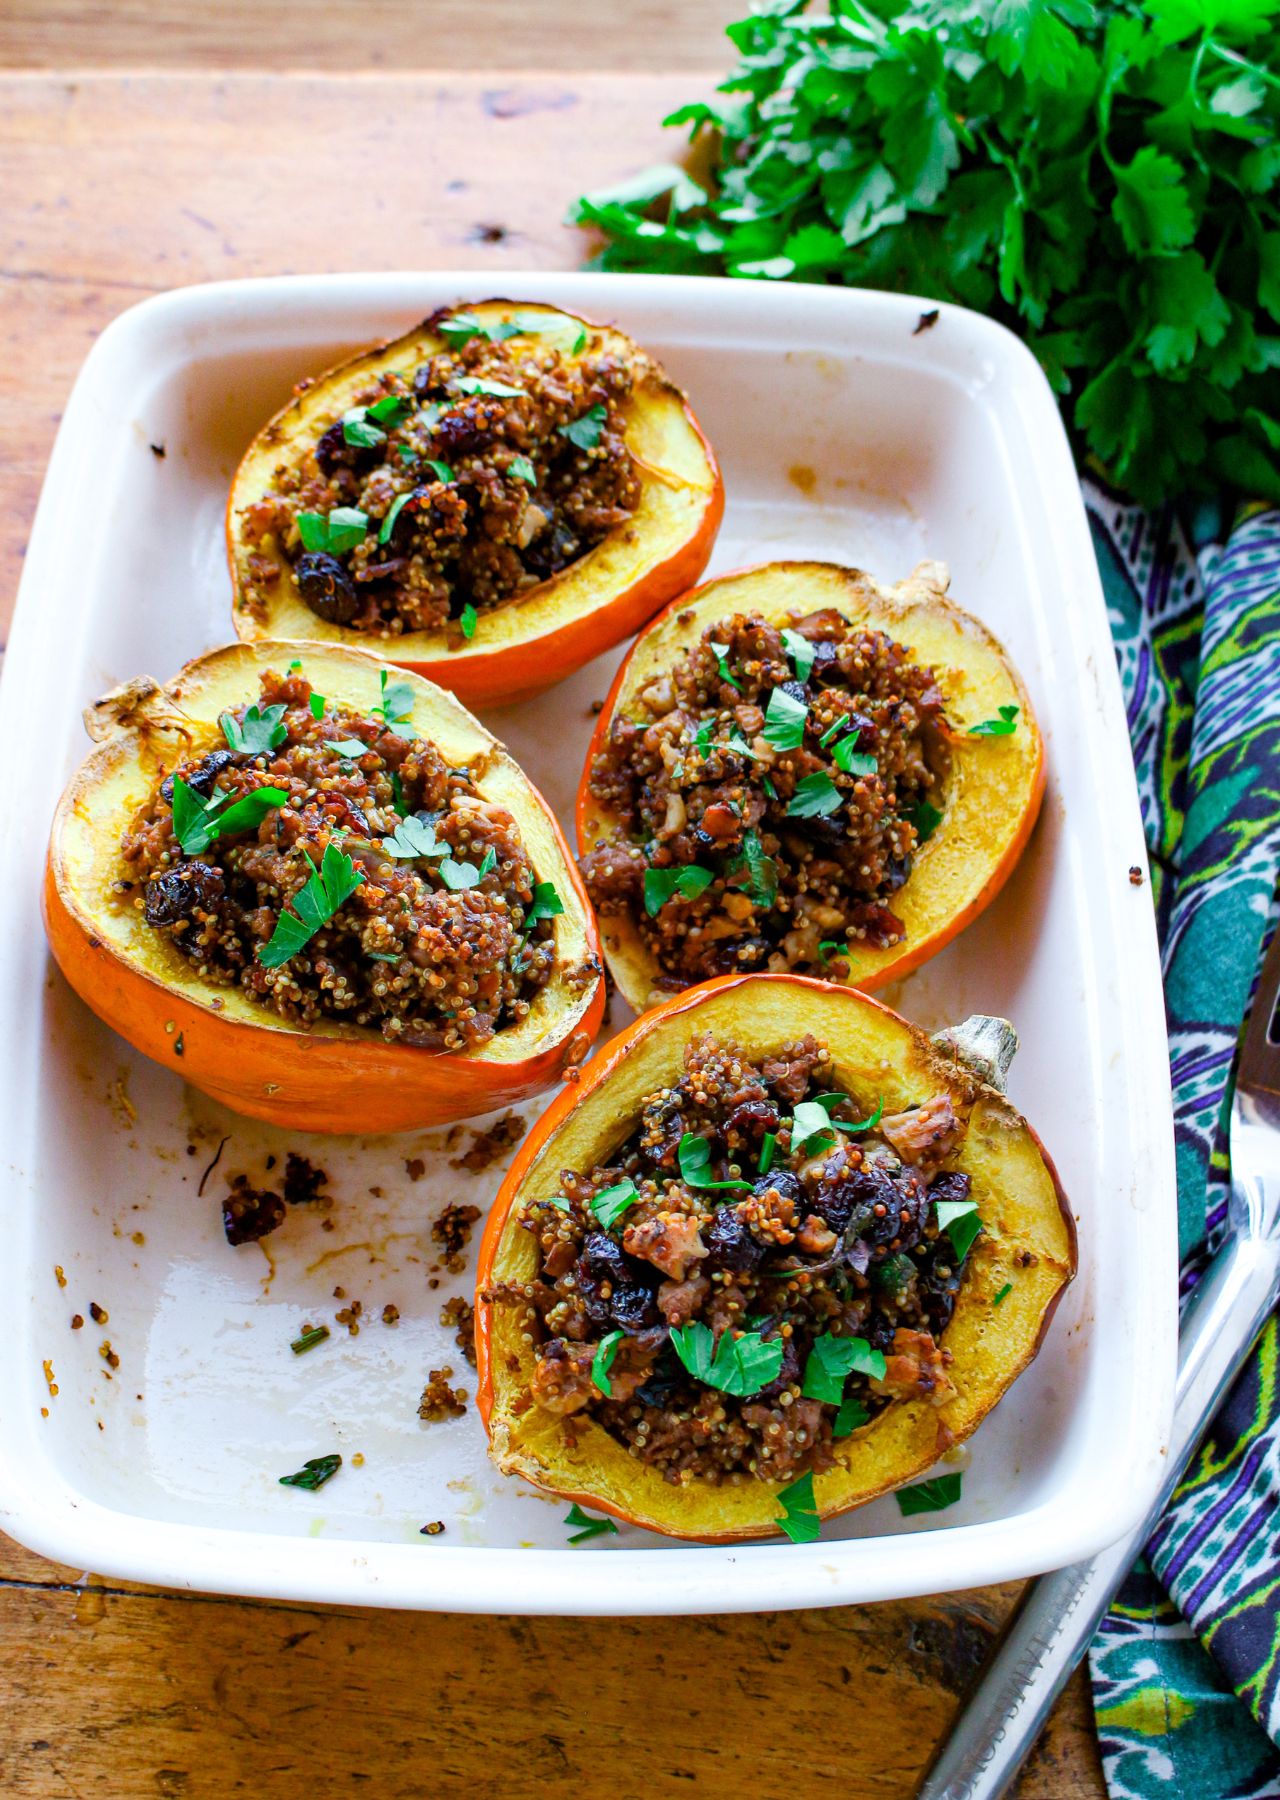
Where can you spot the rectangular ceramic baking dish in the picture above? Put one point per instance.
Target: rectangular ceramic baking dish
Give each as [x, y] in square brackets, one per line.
[846, 431]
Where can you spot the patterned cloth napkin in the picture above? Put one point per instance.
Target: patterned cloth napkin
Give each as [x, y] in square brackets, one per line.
[1186, 1668]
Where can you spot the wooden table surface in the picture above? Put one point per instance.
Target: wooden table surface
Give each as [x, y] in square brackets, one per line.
[116, 186]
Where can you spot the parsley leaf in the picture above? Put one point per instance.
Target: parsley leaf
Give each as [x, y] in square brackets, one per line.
[1004, 726]
[308, 1339]
[799, 1515]
[810, 1125]
[959, 1219]
[315, 904]
[736, 1365]
[546, 904]
[833, 731]
[347, 747]
[589, 1527]
[260, 731]
[801, 652]
[784, 720]
[472, 384]
[467, 620]
[832, 1360]
[459, 876]
[660, 884]
[999, 1298]
[359, 431]
[396, 704]
[602, 1362]
[816, 797]
[847, 758]
[694, 1155]
[585, 432]
[925, 818]
[389, 410]
[314, 1473]
[929, 1496]
[830, 947]
[197, 822]
[721, 654]
[611, 1202]
[761, 871]
[851, 1415]
[393, 512]
[768, 1144]
[414, 838]
[523, 470]
[342, 529]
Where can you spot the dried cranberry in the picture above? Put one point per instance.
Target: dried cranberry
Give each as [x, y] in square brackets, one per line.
[326, 587]
[788, 1374]
[952, 1184]
[730, 1245]
[250, 1213]
[201, 779]
[179, 893]
[333, 452]
[633, 1307]
[752, 1118]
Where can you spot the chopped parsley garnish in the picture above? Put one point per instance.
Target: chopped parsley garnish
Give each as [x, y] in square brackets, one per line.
[846, 757]
[721, 654]
[801, 652]
[459, 876]
[260, 731]
[197, 822]
[1002, 1296]
[602, 1362]
[396, 705]
[440, 470]
[702, 737]
[468, 620]
[661, 884]
[463, 326]
[333, 532]
[1004, 726]
[959, 1219]
[811, 1126]
[393, 513]
[472, 384]
[832, 1360]
[830, 947]
[308, 1339]
[740, 1366]
[407, 453]
[784, 720]
[389, 410]
[740, 747]
[314, 1473]
[585, 432]
[589, 1527]
[546, 904]
[359, 431]
[929, 1496]
[315, 904]
[383, 956]
[523, 470]
[694, 1155]
[347, 747]
[833, 731]
[761, 871]
[768, 1144]
[816, 797]
[611, 1202]
[317, 706]
[925, 818]
[799, 1515]
[413, 838]
[852, 1414]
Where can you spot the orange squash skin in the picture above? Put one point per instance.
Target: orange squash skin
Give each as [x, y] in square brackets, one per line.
[582, 623]
[630, 964]
[684, 1015]
[348, 1081]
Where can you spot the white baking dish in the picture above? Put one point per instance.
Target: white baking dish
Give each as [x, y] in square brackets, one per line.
[844, 432]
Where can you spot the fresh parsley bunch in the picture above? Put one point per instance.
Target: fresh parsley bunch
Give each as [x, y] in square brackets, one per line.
[1105, 179]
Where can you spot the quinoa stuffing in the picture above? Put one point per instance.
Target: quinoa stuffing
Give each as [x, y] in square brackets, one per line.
[755, 1273]
[497, 465]
[771, 793]
[357, 876]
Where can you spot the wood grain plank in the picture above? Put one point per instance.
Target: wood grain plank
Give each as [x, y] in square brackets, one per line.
[125, 185]
[378, 34]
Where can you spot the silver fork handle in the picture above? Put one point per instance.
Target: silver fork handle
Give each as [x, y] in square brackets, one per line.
[1060, 1612]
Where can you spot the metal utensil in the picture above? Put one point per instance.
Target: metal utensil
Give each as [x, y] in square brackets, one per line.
[1236, 1295]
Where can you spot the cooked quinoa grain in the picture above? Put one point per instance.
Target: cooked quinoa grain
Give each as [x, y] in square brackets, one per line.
[771, 794]
[818, 1278]
[472, 463]
[431, 950]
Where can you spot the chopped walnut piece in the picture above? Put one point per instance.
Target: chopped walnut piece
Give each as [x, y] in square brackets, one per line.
[916, 1369]
[925, 1134]
[669, 1240]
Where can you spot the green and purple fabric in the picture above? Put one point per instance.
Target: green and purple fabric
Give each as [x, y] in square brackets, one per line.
[1186, 1669]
